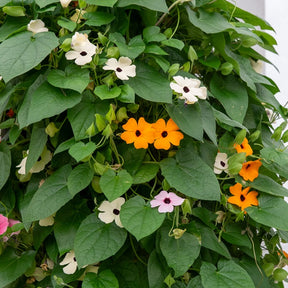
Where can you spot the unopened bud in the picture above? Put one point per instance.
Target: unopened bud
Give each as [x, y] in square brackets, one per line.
[186, 66]
[107, 132]
[121, 114]
[100, 122]
[192, 55]
[277, 133]
[254, 136]
[14, 11]
[178, 233]
[51, 129]
[110, 116]
[91, 131]
[168, 32]
[113, 52]
[235, 162]
[284, 137]
[66, 45]
[247, 41]
[226, 68]
[133, 108]
[240, 136]
[102, 39]
[174, 68]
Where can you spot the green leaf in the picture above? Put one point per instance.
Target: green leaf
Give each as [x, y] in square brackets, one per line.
[37, 143]
[105, 279]
[228, 275]
[174, 43]
[104, 92]
[67, 222]
[50, 197]
[234, 234]
[208, 22]
[154, 49]
[105, 3]
[266, 184]
[210, 241]
[11, 26]
[67, 24]
[268, 212]
[13, 266]
[139, 218]
[145, 173]
[44, 3]
[275, 161]
[180, 253]
[221, 117]
[74, 78]
[150, 84]
[189, 168]
[17, 59]
[80, 150]
[232, 94]
[46, 101]
[208, 120]
[40, 234]
[80, 178]
[127, 94]
[115, 184]
[184, 115]
[159, 5]
[152, 34]
[5, 95]
[135, 47]
[96, 241]
[82, 115]
[157, 271]
[5, 163]
[65, 146]
[98, 18]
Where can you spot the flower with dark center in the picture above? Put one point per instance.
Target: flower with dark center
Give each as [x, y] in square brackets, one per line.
[123, 67]
[244, 147]
[221, 163]
[242, 198]
[166, 134]
[141, 133]
[250, 170]
[110, 211]
[166, 201]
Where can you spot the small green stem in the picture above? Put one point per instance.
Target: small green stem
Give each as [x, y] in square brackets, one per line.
[134, 250]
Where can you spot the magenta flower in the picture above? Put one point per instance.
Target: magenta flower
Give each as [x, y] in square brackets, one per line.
[166, 201]
[4, 223]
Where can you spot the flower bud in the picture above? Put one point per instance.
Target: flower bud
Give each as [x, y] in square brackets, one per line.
[66, 45]
[108, 80]
[186, 207]
[174, 68]
[102, 39]
[280, 274]
[186, 66]
[178, 233]
[168, 32]
[91, 131]
[284, 137]
[107, 132]
[100, 122]
[133, 108]
[247, 41]
[110, 116]
[268, 268]
[113, 52]
[192, 55]
[14, 11]
[240, 136]
[99, 168]
[51, 129]
[254, 136]
[121, 114]
[82, 4]
[277, 133]
[226, 68]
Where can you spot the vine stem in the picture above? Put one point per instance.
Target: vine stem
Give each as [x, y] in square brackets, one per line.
[134, 250]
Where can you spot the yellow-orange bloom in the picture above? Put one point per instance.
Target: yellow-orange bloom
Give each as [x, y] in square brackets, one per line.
[166, 134]
[242, 198]
[250, 169]
[244, 147]
[140, 133]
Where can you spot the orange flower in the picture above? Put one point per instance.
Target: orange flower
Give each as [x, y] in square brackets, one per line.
[244, 147]
[250, 169]
[140, 133]
[242, 198]
[166, 134]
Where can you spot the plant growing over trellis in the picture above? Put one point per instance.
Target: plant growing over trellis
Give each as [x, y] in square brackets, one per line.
[137, 146]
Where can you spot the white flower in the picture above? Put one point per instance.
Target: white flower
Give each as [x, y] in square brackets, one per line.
[78, 16]
[36, 26]
[122, 67]
[82, 53]
[65, 3]
[1, 78]
[221, 163]
[79, 40]
[189, 88]
[48, 221]
[71, 261]
[22, 165]
[110, 211]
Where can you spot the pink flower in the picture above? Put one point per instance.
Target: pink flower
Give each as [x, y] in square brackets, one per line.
[3, 224]
[11, 222]
[166, 201]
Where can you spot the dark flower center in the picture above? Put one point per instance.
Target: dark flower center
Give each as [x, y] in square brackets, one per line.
[167, 201]
[248, 166]
[164, 134]
[242, 197]
[222, 163]
[186, 89]
[242, 146]
[74, 259]
[118, 69]
[138, 133]
[116, 211]
[83, 53]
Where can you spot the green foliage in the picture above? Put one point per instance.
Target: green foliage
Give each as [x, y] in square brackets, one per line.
[138, 167]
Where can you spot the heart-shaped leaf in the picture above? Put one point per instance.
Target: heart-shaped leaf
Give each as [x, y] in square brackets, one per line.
[80, 150]
[73, 78]
[115, 184]
[104, 92]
